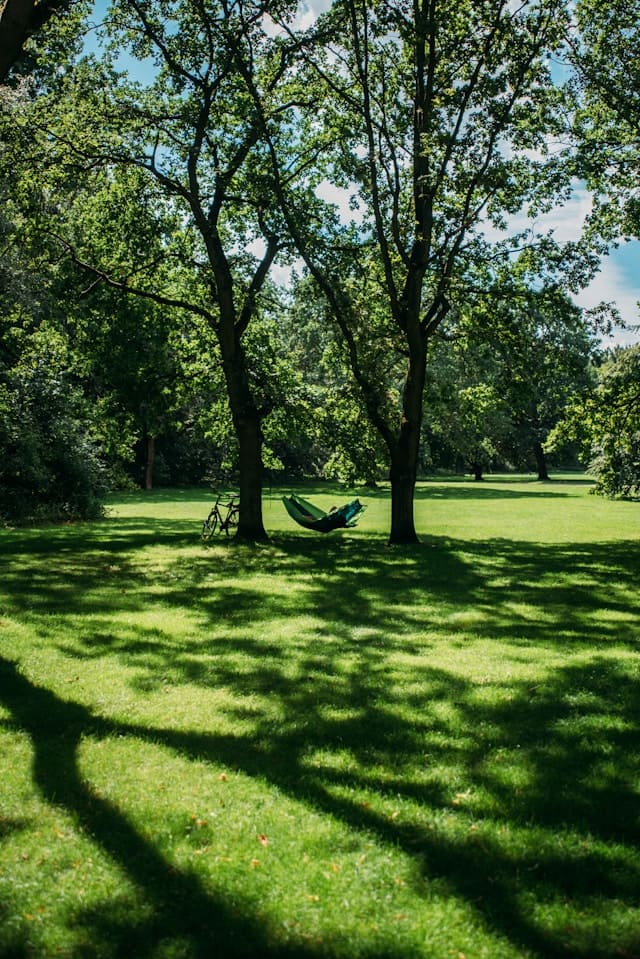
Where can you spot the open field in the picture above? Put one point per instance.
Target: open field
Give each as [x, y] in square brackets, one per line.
[323, 746]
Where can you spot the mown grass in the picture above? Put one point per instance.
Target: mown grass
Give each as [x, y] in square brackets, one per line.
[323, 746]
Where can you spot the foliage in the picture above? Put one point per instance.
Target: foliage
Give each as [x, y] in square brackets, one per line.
[478, 420]
[542, 344]
[340, 442]
[187, 127]
[502, 373]
[20, 20]
[467, 418]
[606, 424]
[50, 466]
[157, 172]
[605, 56]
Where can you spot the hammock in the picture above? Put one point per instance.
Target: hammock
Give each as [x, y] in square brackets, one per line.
[309, 516]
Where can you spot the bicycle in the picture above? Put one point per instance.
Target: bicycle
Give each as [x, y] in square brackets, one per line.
[223, 516]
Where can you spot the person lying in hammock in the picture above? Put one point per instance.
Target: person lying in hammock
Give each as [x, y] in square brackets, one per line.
[341, 519]
[310, 516]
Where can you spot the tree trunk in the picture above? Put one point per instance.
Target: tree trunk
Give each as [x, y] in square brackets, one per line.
[403, 484]
[249, 433]
[15, 21]
[477, 473]
[148, 471]
[18, 20]
[405, 452]
[541, 462]
[247, 423]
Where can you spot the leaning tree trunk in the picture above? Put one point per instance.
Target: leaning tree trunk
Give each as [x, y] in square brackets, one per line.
[247, 423]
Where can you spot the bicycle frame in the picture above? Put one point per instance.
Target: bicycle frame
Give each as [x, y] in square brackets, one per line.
[223, 515]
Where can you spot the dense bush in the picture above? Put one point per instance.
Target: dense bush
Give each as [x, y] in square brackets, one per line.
[606, 425]
[49, 466]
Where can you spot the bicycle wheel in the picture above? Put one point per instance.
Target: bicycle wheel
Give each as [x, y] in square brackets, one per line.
[210, 525]
[230, 521]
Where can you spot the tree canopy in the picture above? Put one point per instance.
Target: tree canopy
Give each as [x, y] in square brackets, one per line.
[161, 176]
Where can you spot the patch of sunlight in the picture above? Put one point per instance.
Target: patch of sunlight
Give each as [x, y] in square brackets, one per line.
[336, 760]
[609, 927]
[365, 634]
[593, 727]
[340, 714]
[11, 634]
[527, 612]
[297, 628]
[465, 618]
[170, 708]
[612, 616]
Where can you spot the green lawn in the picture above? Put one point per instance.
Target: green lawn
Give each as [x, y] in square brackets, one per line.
[323, 746]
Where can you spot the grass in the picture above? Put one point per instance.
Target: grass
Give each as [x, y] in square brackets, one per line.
[323, 746]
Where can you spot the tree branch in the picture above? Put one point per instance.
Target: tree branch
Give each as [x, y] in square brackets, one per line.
[125, 287]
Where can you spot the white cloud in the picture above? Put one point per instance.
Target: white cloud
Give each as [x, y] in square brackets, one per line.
[611, 285]
[342, 198]
[310, 10]
[616, 280]
[306, 15]
[614, 283]
[567, 221]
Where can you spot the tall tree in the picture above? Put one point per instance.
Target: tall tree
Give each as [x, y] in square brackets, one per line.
[541, 345]
[190, 127]
[431, 114]
[50, 464]
[467, 418]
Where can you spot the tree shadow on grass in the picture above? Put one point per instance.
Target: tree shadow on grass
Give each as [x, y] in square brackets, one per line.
[182, 910]
[572, 738]
[572, 783]
[479, 491]
[531, 591]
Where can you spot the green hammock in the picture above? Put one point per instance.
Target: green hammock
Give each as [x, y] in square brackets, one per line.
[309, 516]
